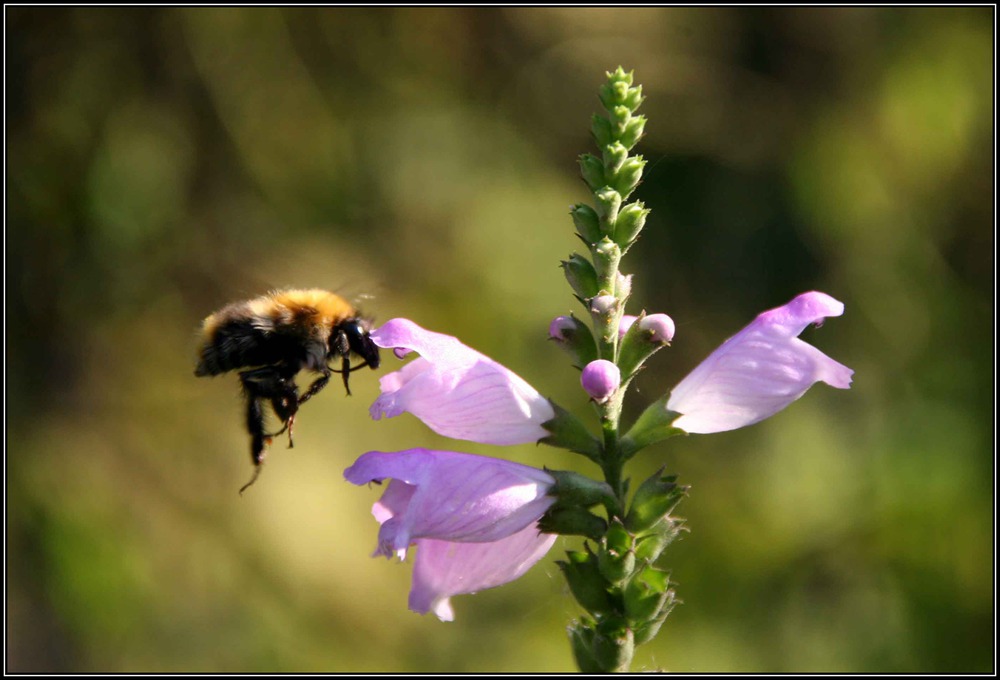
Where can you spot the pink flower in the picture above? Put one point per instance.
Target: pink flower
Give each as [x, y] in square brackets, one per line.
[443, 569]
[759, 371]
[472, 518]
[456, 391]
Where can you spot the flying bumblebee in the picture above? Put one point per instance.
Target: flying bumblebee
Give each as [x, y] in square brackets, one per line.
[275, 336]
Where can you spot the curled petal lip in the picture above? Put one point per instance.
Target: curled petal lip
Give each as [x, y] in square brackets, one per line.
[456, 391]
[760, 370]
[443, 569]
[450, 496]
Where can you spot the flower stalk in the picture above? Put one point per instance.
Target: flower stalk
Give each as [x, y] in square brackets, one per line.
[479, 522]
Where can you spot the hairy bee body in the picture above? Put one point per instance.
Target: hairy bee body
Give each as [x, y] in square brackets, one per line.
[273, 337]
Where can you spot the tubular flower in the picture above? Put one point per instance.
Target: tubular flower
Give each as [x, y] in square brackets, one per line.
[443, 568]
[759, 371]
[456, 391]
[472, 518]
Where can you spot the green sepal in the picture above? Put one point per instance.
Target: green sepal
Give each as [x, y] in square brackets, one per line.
[572, 521]
[653, 501]
[574, 489]
[567, 432]
[585, 581]
[653, 425]
[645, 595]
[579, 342]
[635, 347]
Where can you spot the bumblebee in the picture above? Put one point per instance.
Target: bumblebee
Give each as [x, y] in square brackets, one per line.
[272, 338]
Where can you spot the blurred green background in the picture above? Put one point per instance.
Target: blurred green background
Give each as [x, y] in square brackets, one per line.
[162, 162]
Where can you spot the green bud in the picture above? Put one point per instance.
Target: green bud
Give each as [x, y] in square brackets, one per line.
[647, 631]
[600, 127]
[628, 177]
[645, 594]
[614, 156]
[617, 559]
[587, 223]
[606, 93]
[581, 276]
[631, 133]
[631, 220]
[585, 581]
[620, 75]
[633, 98]
[651, 545]
[614, 645]
[618, 537]
[607, 201]
[592, 169]
[567, 432]
[581, 639]
[653, 425]
[607, 255]
[619, 116]
[572, 521]
[653, 501]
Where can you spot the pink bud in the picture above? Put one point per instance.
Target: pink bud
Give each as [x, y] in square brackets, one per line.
[659, 326]
[600, 379]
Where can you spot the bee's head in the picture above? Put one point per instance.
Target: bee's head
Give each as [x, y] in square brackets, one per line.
[357, 333]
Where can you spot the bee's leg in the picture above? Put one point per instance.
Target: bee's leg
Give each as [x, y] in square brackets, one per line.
[285, 407]
[319, 384]
[275, 384]
[258, 440]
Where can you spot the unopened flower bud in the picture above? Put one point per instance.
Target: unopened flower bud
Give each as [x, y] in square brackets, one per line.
[619, 117]
[659, 328]
[625, 323]
[575, 337]
[603, 305]
[581, 276]
[607, 255]
[592, 170]
[587, 223]
[631, 220]
[600, 379]
[600, 127]
[630, 136]
[614, 155]
[607, 201]
[633, 98]
[623, 285]
[627, 179]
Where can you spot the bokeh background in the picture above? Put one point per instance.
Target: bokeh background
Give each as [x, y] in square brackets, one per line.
[162, 162]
